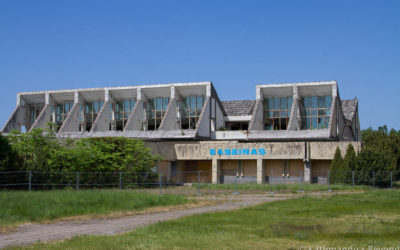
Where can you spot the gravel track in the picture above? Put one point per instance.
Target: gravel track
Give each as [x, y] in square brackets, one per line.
[32, 233]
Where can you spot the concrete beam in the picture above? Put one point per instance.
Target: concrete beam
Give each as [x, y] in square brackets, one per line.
[260, 171]
[216, 171]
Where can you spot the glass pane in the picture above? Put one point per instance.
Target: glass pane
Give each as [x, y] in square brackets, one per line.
[59, 108]
[290, 101]
[165, 103]
[308, 123]
[118, 106]
[328, 101]
[313, 101]
[276, 103]
[321, 112]
[192, 102]
[66, 108]
[283, 113]
[276, 114]
[199, 102]
[283, 102]
[270, 103]
[314, 123]
[321, 101]
[158, 103]
[314, 112]
[321, 123]
[151, 105]
[328, 112]
[96, 107]
[266, 115]
[308, 112]
[127, 106]
[307, 102]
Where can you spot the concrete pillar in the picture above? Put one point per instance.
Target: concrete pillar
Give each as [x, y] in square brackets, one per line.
[216, 170]
[307, 171]
[260, 171]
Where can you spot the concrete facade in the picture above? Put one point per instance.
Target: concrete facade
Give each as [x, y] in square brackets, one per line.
[226, 140]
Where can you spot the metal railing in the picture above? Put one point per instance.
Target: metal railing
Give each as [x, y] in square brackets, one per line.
[197, 181]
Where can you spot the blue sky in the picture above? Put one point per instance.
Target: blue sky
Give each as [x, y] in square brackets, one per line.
[236, 44]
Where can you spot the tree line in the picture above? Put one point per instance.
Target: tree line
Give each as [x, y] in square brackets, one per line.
[378, 159]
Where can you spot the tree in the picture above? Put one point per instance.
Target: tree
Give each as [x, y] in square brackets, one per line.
[8, 157]
[336, 167]
[349, 164]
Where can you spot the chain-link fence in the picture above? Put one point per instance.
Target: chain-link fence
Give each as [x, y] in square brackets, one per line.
[201, 182]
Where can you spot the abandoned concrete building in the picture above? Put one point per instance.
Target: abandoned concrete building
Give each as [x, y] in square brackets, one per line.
[289, 133]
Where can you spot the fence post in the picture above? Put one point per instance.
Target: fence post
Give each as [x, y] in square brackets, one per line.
[327, 180]
[198, 182]
[77, 181]
[373, 178]
[391, 179]
[30, 181]
[160, 184]
[352, 177]
[236, 178]
[120, 180]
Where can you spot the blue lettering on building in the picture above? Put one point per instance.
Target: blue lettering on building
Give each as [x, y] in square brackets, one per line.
[238, 151]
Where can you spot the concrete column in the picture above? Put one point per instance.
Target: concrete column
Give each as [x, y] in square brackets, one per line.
[307, 171]
[260, 171]
[216, 170]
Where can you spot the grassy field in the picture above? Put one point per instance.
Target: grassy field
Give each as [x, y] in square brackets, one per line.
[357, 220]
[247, 187]
[22, 206]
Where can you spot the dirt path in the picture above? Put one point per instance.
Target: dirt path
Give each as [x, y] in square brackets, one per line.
[28, 234]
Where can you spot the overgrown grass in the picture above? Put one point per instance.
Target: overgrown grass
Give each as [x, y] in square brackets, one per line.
[22, 206]
[282, 187]
[358, 220]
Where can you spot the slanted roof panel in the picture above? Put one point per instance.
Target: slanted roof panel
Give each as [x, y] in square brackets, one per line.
[349, 107]
[238, 108]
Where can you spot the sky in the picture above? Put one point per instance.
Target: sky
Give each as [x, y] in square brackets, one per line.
[46, 45]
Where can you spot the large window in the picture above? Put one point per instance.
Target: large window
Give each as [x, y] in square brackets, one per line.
[316, 111]
[122, 110]
[155, 112]
[277, 112]
[91, 110]
[35, 110]
[61, 112]
[190, 109]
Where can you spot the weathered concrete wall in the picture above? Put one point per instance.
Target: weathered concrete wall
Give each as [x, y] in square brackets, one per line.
[219, 119]
[71, 123]
[274, 150]
[102, 122]
[195, 150]
[326, 150]
[136, 118]
[256, 122]
[231, 135]
[17, 119]
[203, 125]
[170, 121]
[43, 118]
